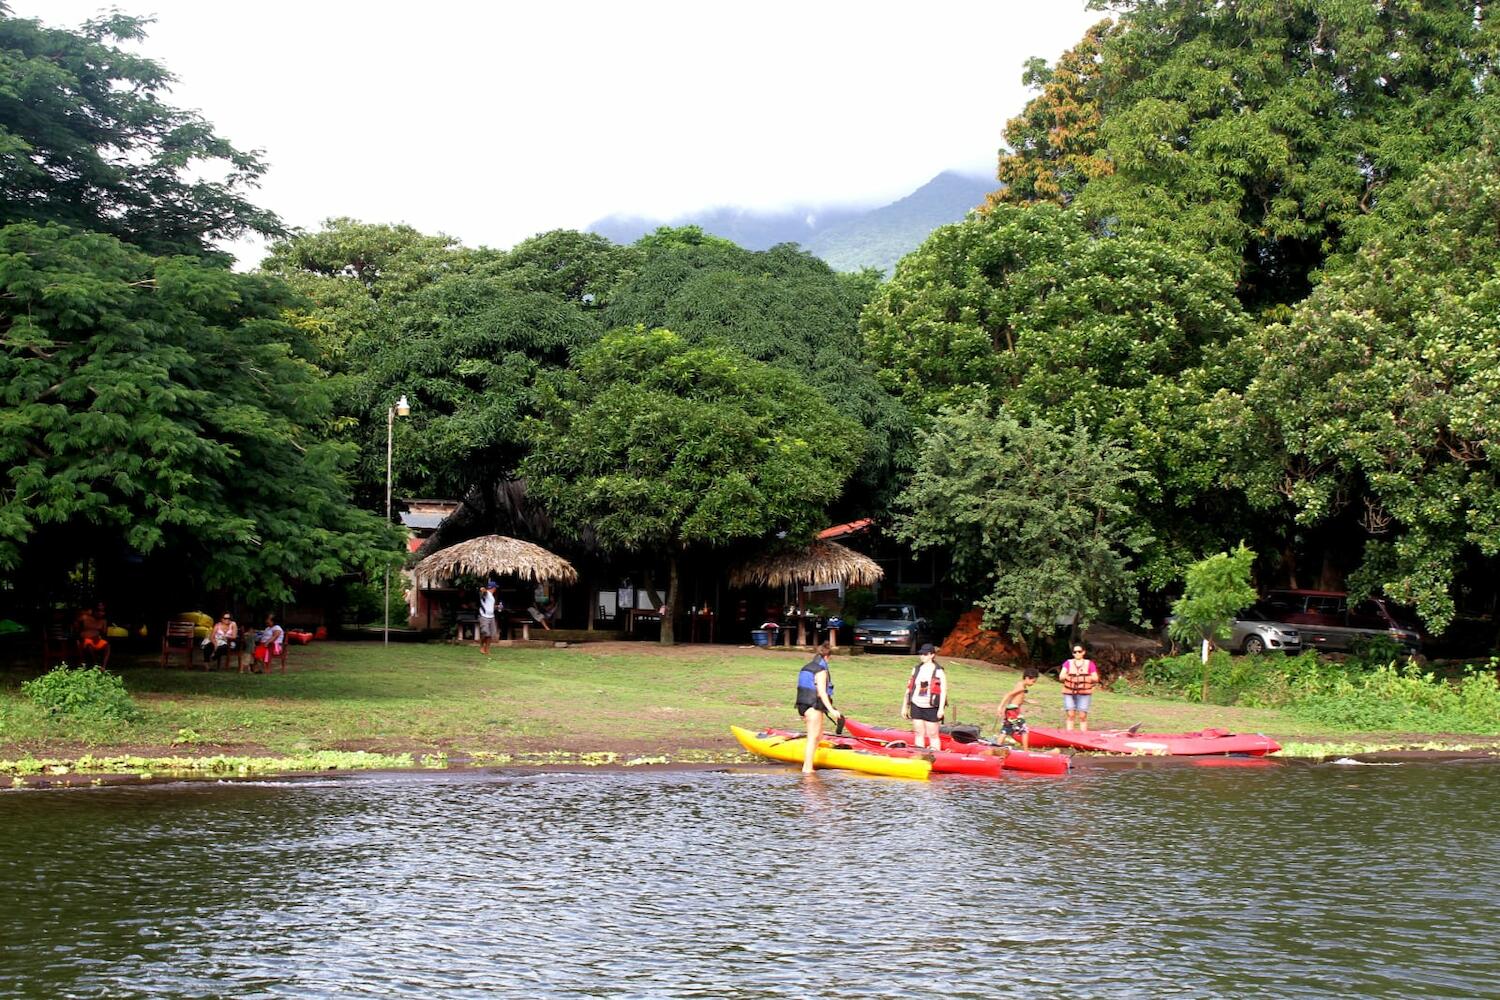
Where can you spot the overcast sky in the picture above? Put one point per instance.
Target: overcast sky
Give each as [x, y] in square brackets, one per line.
[494, 121]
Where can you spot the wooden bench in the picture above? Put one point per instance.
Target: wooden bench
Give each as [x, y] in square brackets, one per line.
[523, 621]
[179, 639]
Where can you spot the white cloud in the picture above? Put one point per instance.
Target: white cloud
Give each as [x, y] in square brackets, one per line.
[495, 121]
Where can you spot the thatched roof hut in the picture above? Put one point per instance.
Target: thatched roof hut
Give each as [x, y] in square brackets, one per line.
[819, 562]
[499, 555]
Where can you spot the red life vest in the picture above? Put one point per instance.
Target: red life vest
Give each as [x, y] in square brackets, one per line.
[1079, 680]
[931, 690]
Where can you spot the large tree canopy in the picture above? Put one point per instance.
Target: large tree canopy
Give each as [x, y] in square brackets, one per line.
[461, 332]
[656, 444]
[1258, 131]
[783, 307]
[1378, 401]
[162, 405]
[86, 141]
[1029, 307]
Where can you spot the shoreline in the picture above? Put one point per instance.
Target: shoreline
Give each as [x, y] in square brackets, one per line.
[57, 774]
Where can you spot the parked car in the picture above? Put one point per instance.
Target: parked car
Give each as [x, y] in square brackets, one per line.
[1253, 631]
[1327, 620]
[893, 626]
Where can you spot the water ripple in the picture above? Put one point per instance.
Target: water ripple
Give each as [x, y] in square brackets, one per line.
[1147, 882]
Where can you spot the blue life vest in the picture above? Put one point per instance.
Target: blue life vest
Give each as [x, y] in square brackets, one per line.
[807, 684]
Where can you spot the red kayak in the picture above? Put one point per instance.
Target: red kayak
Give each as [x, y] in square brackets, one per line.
[943, 762]
[1205, 741]
[1015, 760]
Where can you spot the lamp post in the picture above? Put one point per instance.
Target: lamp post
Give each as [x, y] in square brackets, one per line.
[402, 408]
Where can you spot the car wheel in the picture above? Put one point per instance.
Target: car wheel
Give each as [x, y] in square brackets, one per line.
[1254, 645]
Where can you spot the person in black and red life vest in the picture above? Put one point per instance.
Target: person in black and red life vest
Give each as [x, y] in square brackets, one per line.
[926, 699]
[1079, 676]
[815, 700]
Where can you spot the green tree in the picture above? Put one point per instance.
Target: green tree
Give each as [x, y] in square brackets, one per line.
[785, 308]
[1040, 521]
[655, 444]
[462, 332]
[577, 267]
[1215, 590]
[384, 260]
[1031, 307]
[162, 406]
[467, 350]
[1375, 405]
[86, 141]
[1260, 132]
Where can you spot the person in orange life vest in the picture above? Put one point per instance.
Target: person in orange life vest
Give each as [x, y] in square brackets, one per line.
[1079, 676]
[815, 700]
[93, 640]
[926, 699]
[1011, 712]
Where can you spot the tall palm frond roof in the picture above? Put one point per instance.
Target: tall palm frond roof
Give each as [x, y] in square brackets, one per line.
[819, 562]
[498, 555]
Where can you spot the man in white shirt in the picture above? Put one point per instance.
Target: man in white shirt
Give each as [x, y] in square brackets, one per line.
[488, 605]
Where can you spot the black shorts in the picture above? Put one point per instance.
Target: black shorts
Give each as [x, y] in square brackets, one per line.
[924, 714]
[803, 706]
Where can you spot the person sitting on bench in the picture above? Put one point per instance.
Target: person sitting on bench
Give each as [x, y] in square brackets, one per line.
[93, 636]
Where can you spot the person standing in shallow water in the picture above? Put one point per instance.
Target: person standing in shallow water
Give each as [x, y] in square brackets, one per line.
[1079, 676]
[815, 700]
[926, 699]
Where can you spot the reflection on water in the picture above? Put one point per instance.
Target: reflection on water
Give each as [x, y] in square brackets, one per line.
[1190, 882]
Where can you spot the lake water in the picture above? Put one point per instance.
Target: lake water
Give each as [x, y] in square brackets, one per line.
[1145, 881]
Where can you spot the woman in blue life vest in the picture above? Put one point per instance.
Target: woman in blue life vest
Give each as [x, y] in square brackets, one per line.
[926, 699]
[815, 700]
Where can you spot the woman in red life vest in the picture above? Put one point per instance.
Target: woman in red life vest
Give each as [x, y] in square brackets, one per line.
[1079, 676]
[926, 699]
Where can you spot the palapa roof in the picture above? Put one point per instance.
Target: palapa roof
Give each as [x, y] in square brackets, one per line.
[819, 562]
[500, 555]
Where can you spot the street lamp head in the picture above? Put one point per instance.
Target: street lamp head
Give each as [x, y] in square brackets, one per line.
[403, 408]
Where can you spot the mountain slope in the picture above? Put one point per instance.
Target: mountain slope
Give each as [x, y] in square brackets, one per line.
[847, 238]
[884, 235]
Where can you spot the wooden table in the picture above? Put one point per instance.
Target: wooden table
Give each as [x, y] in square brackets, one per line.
[633, 615]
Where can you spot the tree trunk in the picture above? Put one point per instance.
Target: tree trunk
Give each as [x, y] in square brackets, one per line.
[669, 606]
[801, 616]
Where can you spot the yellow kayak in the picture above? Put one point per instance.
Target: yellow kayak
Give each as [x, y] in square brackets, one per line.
[791, 751]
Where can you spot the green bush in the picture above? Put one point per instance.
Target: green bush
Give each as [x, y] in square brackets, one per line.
[1408, 698]
[85, 693]
[1362, 693]
[1375, 651]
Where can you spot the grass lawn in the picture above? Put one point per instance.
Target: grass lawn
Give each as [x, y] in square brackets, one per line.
[635, 699]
